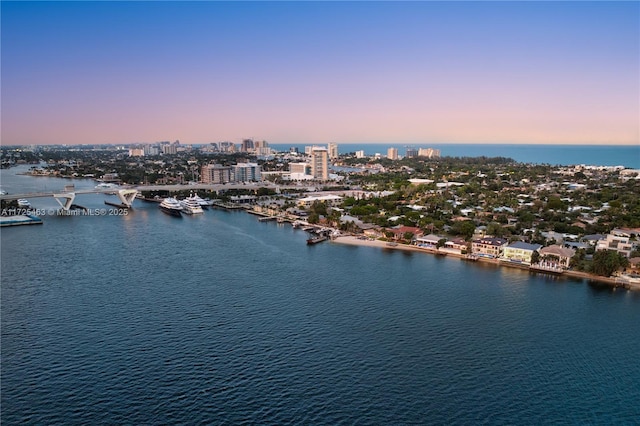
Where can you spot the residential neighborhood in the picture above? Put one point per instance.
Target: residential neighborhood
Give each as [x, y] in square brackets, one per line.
[562, 217]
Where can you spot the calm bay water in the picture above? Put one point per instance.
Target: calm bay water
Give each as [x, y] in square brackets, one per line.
[595, 155]
[221, 319]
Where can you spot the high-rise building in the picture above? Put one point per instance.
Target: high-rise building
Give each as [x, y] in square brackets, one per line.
[246, 172]
[429, 153]
[392, 153]
[170, 149]
[411, 152]
[261, 148]
[215, 174]
[227, 147]
[247, 145]
[320, 163]
[360, 154]
[333, 150]
[150, 149]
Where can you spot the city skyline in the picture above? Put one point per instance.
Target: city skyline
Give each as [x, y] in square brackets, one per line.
[319, 72]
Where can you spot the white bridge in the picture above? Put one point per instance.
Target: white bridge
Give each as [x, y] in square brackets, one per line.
[66, 197]
[126, 196]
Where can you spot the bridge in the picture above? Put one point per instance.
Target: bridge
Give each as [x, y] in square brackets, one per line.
[127, 194]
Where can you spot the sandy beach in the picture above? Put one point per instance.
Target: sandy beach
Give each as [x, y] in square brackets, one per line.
[348, 239]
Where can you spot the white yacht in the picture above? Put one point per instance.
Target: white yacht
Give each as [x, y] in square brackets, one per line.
[191, 206]
[104, 185]
[171, 206]
[202, 202]
[23, 203]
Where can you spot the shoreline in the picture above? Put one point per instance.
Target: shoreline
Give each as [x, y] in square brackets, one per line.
[611, 281]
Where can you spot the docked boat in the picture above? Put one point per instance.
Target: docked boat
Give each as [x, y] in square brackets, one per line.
[107, 186]
[104, 185]
[23, 203]
[191, 206]
[171, 206]
[201, 201]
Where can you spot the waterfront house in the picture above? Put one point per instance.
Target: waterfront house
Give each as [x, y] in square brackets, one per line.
[634, 265]
[373, 231]
[456, 245]
[488, 247]
[400, 231]
[558, 255]
[428, 241]
[520, 252]
[617, 243]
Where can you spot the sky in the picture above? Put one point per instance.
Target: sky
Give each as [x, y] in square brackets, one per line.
[318, 72]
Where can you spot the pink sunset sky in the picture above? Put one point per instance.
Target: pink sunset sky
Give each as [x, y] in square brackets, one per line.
[494, 72]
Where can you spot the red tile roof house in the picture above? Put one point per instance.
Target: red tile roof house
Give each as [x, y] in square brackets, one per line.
[398, 233]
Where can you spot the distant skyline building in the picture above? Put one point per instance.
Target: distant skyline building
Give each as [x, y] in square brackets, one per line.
[411, 152]
[429, 153]
[170, 149]
[262, 148]
[333, 150]
[392, 153]
[360, 154]
[247, 145]
[227, 147]
[150, 149]
[320, 163]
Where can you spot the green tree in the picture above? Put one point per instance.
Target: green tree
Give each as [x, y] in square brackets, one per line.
[313, 218]
[465, 228]
[606, 262]
[555, 203]
[535, 257]
[495, 229]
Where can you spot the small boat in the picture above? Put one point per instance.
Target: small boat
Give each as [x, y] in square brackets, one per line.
[171, 206]
[23, 203]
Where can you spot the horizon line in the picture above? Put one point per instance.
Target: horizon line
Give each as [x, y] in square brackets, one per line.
[408, 143]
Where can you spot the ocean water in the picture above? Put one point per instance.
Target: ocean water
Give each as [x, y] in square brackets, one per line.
[597, 155]
[222, 319]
